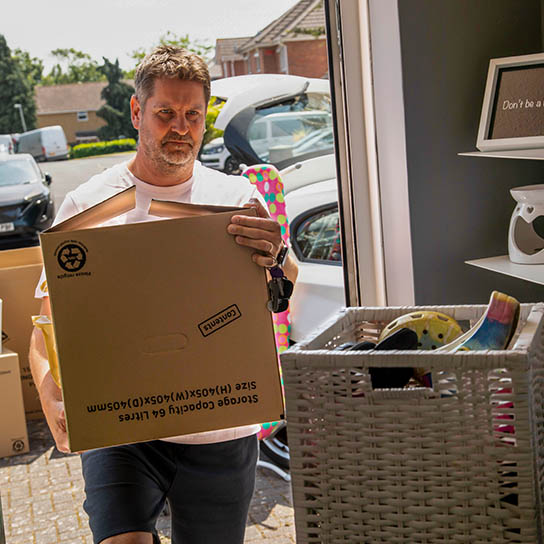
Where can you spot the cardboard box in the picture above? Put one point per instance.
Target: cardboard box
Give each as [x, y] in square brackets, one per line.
[20, 271]
[13, 433]
[161, 327]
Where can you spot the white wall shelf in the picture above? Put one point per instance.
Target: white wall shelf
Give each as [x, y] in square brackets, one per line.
[502, 264]
[535, 154]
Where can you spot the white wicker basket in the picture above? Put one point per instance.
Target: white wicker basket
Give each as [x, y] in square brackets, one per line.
[461, 462]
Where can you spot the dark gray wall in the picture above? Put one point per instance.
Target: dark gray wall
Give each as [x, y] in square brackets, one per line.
[460, 207]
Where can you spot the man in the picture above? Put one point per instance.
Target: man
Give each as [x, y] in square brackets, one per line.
[209, 477]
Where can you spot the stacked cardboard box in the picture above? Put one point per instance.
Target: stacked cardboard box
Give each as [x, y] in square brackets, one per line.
[13, 433]
[19, 274]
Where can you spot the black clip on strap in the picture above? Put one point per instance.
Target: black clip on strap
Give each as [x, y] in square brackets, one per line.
[279, 290]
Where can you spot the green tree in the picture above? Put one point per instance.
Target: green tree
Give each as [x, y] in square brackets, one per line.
[214, 107]
[32, 67]
[200, 48]
[15, 88]
[72, 66]
[116, 110]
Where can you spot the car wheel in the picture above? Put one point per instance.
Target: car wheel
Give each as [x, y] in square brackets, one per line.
[276, 449]
[231, 166]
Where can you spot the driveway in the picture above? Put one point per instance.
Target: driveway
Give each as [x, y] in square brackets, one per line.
[42, 497]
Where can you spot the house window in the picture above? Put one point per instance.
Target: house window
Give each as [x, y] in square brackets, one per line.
[82, 116]
[257, 58]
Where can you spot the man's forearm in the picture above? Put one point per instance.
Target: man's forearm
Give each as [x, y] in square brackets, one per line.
[50, 393]
[290, 269]
[39, 367]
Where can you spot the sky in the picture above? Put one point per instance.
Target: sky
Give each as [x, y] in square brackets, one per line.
[115, 28]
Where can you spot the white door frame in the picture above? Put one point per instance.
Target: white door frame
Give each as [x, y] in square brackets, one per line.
[366, 82]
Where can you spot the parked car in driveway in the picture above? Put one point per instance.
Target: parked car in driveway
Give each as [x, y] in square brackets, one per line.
[286, 121]
[265, 115]
[312, 211]
[215, 155]
[306, 161]
[26, 203]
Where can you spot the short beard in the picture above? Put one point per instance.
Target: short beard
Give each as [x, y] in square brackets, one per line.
[169, 163]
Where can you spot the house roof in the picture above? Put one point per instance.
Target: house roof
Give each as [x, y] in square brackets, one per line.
[70, 97]
[226, 48]
[305, 18]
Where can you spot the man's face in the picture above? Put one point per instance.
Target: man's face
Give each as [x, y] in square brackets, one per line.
[171, 124]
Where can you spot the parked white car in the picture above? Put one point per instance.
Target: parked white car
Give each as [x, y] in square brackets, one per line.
[266, 115]
[312, 212]
[215, 155]
[286, 121]
[274, 135]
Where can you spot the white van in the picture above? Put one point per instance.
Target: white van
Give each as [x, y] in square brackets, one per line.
[44, 144]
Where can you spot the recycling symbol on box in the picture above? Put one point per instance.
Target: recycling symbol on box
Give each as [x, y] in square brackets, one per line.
[72, 257]
[18, 445]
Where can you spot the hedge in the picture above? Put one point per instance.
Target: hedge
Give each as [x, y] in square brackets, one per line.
[102, 148]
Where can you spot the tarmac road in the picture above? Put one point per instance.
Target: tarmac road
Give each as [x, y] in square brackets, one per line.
[67, 175]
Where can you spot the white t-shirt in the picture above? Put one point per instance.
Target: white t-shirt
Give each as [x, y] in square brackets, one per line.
[207, 186]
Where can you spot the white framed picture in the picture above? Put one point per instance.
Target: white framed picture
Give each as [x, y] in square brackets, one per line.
[513, 108]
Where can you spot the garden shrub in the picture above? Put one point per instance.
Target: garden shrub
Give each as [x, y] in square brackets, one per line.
[102, 148]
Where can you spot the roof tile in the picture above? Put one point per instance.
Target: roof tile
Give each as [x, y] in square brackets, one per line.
[226, 48]
[304, 15]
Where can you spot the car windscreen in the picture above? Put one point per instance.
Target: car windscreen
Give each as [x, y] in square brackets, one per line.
[292, 128]
[18, 172]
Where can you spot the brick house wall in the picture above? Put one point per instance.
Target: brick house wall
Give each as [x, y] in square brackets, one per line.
[240, 68]
[307, 58]
[234, 68]
[70, 124]
[253, 61]
[270, 60]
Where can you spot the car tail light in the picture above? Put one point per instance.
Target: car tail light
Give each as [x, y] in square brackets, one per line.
[43, 151]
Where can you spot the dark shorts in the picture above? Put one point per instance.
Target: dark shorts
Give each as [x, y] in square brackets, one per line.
[208, 487]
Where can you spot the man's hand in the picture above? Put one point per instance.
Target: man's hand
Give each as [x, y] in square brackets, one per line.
[53, 408]
[261, 233]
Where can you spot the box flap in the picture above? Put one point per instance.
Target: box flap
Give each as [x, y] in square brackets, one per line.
[100, 213]
[164, 208]
[11, 258]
